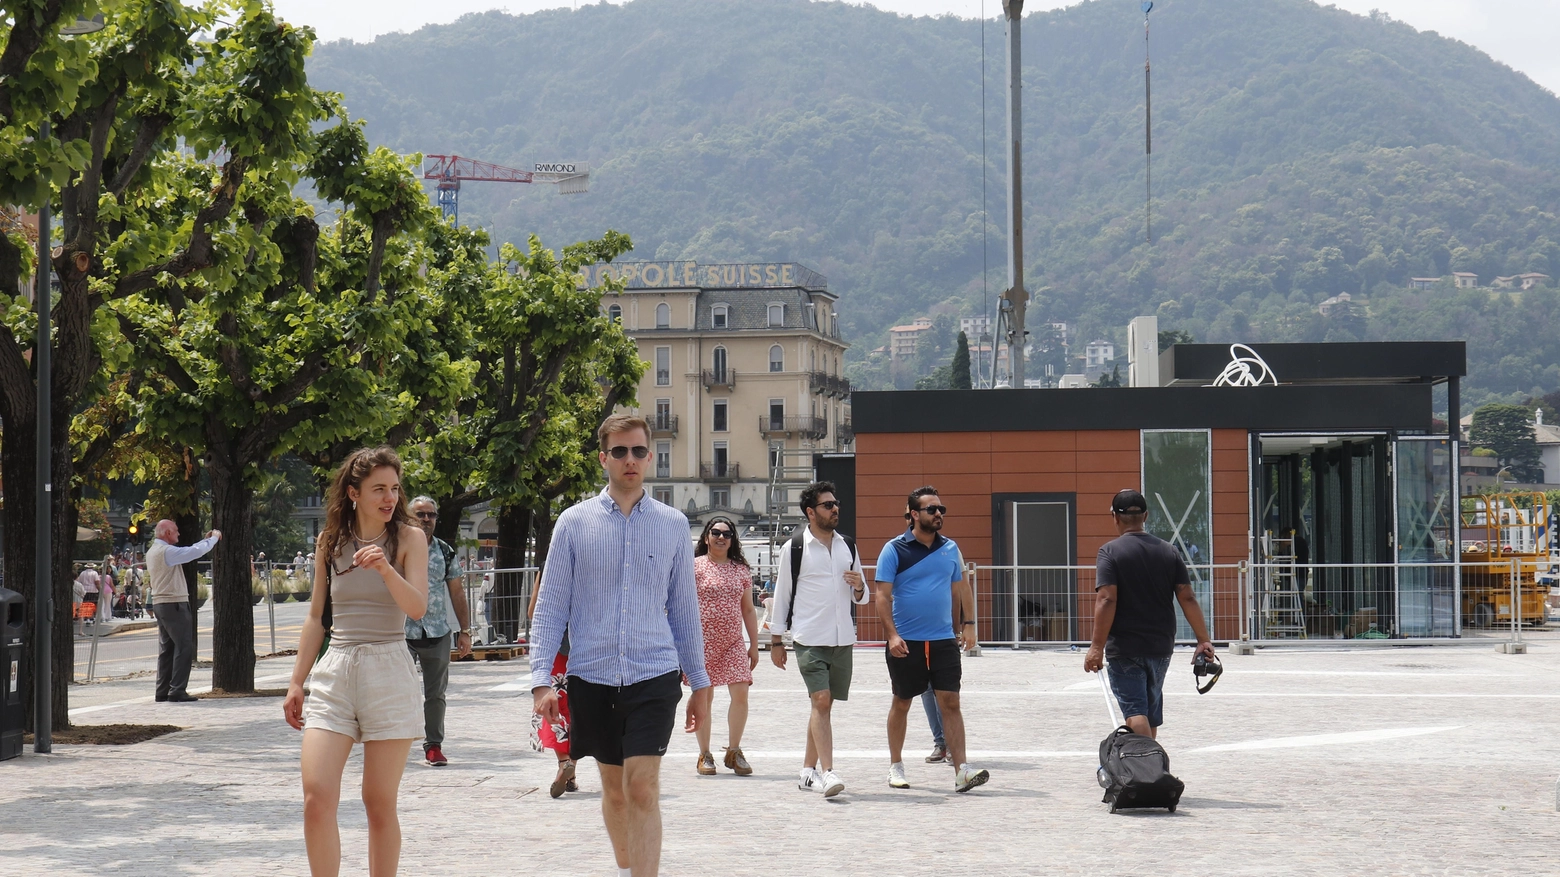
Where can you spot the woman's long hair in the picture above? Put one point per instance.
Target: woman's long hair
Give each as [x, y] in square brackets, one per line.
[734, 553]
[340, 516]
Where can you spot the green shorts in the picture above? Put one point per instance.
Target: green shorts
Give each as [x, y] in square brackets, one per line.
[826, 668]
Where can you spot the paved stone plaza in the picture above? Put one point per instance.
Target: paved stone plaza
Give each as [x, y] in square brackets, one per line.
[1374, 761]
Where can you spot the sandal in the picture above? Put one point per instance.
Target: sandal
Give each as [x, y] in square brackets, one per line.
[563, 780]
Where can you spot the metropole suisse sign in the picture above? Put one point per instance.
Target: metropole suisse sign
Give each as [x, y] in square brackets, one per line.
[692, 275]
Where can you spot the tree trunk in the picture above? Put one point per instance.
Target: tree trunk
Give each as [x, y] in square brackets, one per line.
[19, 510]
[544, 530]
[448, 527]
[514, 530]
[233, 624]
[62, 517]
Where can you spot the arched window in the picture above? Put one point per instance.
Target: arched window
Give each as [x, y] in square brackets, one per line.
[718, 366]
[663, 316]
[776, 316]
[615, 313]
[718, 317]
[776, 359]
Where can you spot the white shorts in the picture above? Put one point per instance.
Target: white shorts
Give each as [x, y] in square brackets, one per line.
[366, 692]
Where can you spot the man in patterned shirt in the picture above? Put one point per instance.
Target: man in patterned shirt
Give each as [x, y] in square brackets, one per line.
[429, 637]
[619, 579]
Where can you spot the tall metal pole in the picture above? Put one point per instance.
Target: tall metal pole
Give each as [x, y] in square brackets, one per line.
[1148, 133]
[43, 587]
[1015, 297]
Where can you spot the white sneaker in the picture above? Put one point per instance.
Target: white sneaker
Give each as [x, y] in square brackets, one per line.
[809, 780]
[965, 779]
[896, 776]
[831, 784]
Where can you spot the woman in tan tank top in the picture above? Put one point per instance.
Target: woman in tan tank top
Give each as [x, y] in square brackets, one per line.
[372, 561]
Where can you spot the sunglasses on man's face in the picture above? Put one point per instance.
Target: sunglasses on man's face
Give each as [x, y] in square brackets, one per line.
[934, 509]
[621, 451]
[720, 534]
[829, 504]
[427, 516]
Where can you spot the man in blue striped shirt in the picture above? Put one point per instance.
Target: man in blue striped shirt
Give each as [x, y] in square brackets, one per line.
[619, 579]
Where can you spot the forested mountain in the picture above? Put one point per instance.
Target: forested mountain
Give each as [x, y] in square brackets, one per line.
[1299, 151]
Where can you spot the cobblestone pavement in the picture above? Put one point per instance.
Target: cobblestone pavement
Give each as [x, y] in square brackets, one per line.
[1374, 761]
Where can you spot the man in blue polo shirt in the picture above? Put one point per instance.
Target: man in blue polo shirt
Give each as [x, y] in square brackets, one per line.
[920, 578]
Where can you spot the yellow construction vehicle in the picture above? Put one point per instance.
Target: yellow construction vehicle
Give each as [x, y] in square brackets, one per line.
[1505, 535]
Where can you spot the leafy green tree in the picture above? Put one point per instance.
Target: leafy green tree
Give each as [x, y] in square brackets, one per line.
[1508, 431]
[121, 105]
[277, 532]
[547, 366]
[1111, 380]
[303, 342]
[940, 379]
[1168, 338]
[961, 364]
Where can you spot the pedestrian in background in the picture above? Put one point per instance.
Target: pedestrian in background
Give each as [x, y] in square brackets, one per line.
[725, 583]
[430, 637]
[927, 607]
[1139, 578]
[373, 573]
[553, 736]
[170, 594]
[819, 578]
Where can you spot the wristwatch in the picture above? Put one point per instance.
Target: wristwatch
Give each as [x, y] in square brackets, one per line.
[466, 631]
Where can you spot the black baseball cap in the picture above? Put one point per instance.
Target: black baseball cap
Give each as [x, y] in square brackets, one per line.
[1129, 502]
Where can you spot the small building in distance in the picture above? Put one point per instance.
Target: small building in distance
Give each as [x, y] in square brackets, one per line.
[1521, 281]
[1423, 282]
[1326, 307]
[904, 338]
[1465, 279]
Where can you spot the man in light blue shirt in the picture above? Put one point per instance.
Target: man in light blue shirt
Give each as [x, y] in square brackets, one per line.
[619, 579]
[171, 606]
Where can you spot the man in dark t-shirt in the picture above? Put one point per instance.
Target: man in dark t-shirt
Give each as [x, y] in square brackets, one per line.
[1138, 580]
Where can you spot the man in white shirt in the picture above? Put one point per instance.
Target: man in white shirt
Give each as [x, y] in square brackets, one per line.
[171, 606]
[812, 601]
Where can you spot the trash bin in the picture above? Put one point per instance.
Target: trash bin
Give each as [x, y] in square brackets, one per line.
[13, 626]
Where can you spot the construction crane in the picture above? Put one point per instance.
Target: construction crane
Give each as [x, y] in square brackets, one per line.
[571, 177]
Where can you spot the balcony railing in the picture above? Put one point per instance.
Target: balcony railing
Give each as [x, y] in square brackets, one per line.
[804, 427]
[718, 472]
[726, 378]
[664, 424]
[844, 432]
[829, 385]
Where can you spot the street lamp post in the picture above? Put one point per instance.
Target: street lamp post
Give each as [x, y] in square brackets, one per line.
[43, 585]
[43, 577]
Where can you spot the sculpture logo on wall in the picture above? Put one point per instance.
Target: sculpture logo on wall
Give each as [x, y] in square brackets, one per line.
[1246, 369]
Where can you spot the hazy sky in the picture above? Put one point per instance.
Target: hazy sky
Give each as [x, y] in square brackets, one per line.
[1524, 34]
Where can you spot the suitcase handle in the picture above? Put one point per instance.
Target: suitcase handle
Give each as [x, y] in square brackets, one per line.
[1110, 701]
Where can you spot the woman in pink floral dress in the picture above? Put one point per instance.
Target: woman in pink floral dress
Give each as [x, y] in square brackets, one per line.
[725, 583]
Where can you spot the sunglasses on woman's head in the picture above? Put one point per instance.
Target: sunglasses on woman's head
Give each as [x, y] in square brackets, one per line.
[621, 451]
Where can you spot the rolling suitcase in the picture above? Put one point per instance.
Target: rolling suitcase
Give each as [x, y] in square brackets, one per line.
[1134, 770]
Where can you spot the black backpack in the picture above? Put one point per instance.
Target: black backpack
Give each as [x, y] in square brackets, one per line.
[796, 567]
[1135, 772]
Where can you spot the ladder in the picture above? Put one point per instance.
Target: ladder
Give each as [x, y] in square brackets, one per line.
[1282, 609]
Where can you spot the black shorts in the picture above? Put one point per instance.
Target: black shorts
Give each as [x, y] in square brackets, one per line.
[609, 723]
[935, 662]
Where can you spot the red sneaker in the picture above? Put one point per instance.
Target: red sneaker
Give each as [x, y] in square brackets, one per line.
[435, 756]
